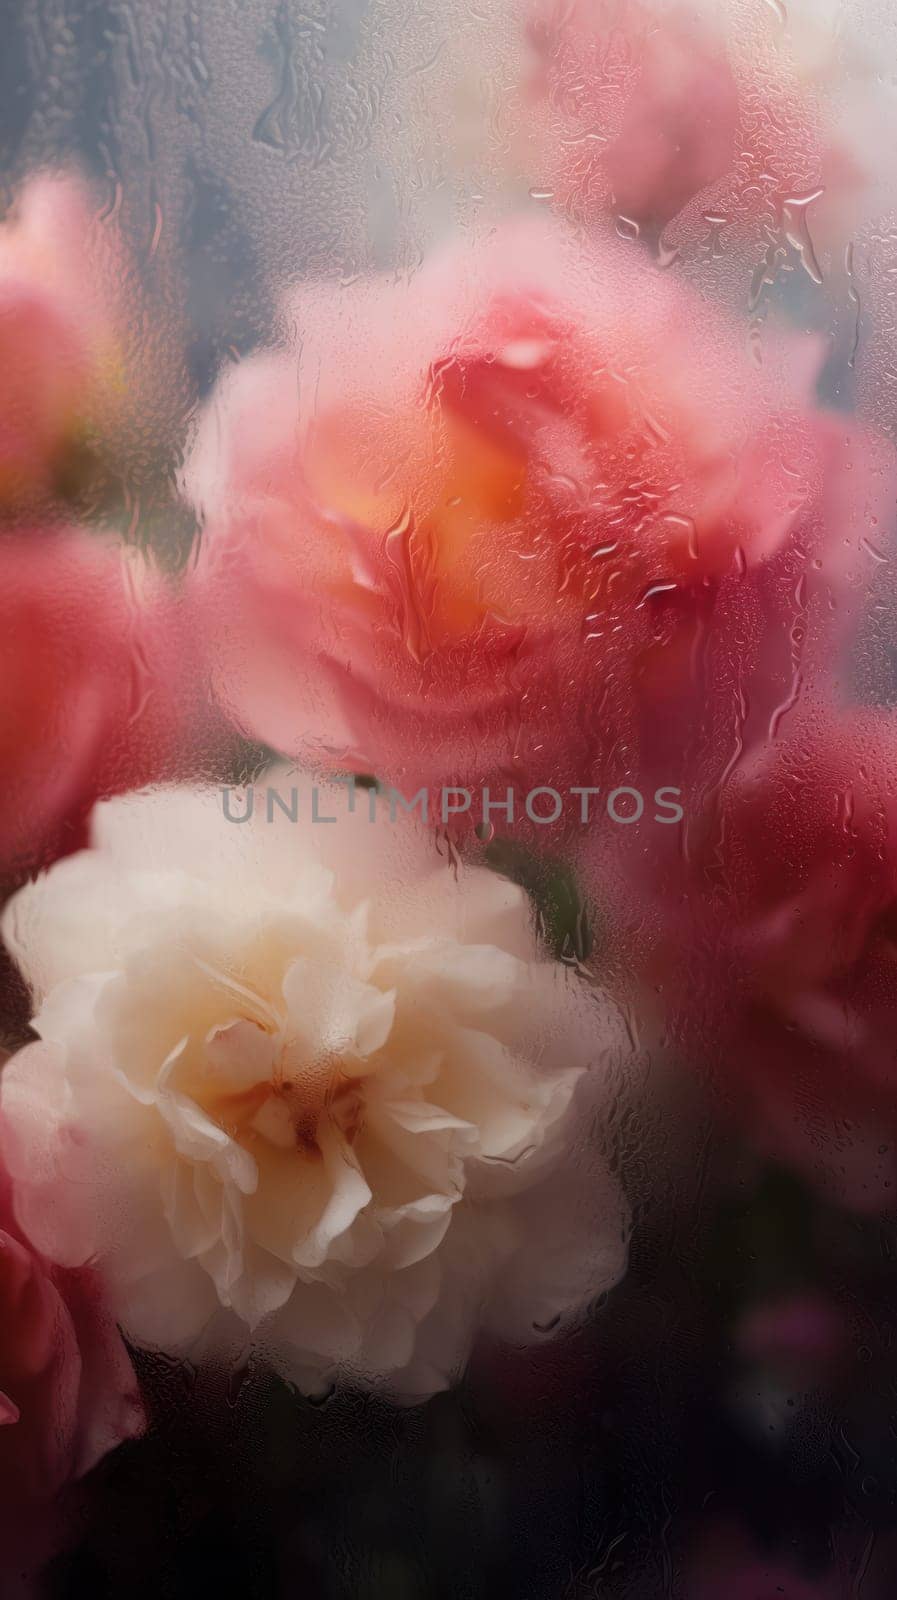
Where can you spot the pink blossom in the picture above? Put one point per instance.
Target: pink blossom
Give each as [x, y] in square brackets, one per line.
[765, 935]
[635, 113]
[68, 1393]
[61, 276]
[460, 529]
[100, 688]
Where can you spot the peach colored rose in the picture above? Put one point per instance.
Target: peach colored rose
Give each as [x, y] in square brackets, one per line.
[462, 526]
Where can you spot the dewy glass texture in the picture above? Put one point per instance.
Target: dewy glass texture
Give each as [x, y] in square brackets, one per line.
[448, 842]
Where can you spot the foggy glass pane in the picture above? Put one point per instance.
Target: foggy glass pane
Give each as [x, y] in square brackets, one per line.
[448, 852]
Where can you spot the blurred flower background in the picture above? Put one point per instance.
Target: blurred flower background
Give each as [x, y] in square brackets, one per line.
[476, 394]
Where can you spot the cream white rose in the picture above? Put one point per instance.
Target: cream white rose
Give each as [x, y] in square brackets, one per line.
[310, 1085]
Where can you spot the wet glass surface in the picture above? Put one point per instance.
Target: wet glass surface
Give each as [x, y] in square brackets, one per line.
[447, 482]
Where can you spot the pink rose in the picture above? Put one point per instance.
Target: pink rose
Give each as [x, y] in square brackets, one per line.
[464, 528]
[68, 1393]
[764, 935]
[100, 688]
[83, 387]
[60, 359]
[641, 115]
[635, 113]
